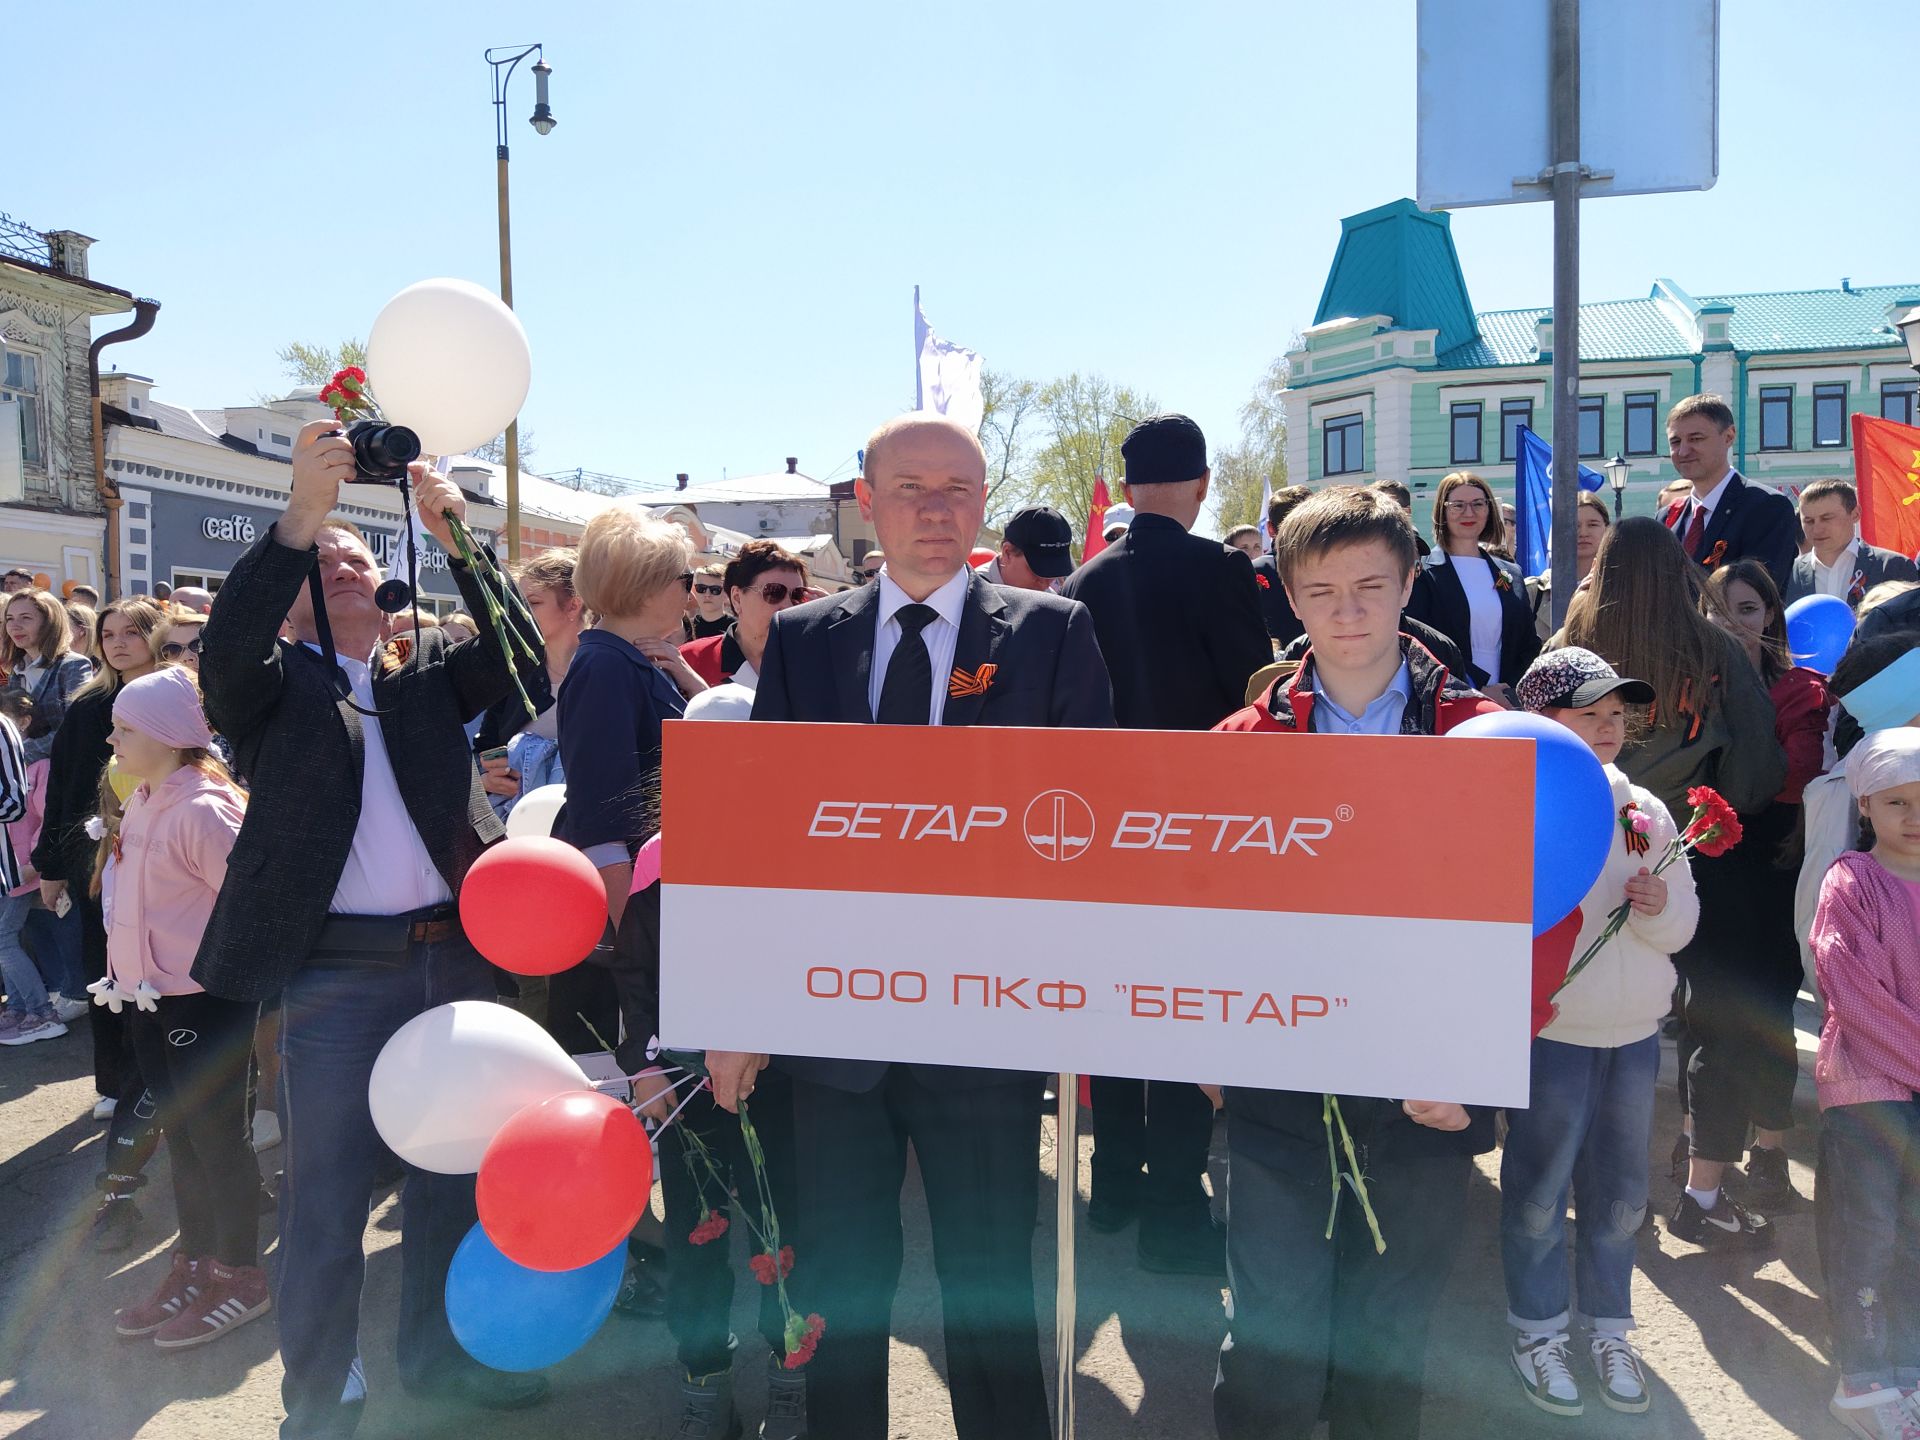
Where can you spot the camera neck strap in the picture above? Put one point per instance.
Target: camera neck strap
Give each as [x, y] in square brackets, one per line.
[323, 627]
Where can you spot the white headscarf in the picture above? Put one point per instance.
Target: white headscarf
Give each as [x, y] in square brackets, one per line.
[1883, 760]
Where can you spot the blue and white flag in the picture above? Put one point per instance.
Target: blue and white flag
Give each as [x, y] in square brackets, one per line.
[1533, 501]
[947, 379]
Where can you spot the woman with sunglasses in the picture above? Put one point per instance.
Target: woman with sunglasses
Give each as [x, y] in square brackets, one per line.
[761, 581]
[176, 639]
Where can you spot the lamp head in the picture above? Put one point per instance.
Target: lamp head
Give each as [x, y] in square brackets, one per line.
[1910, 332]
[542, 118]
[1617, 470]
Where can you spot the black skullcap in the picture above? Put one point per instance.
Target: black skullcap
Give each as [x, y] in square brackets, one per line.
[1164, 449]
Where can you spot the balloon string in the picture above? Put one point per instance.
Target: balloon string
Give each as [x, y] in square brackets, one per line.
[661, 1129]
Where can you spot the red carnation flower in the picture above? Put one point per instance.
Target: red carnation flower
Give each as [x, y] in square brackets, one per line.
[356, 373]
[711, 1228]
[763, 1266]
[1263, 582]
[1715, 827]
[801, 1353]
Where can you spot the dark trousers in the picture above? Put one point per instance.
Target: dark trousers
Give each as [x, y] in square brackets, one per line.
[1318, 1320]
[334, 1022]
[197, 1048]
[977, 1149]
[116, 1072]
[700, 1277]
[1867, 1217]
[1163, 1125]
[133, 1135]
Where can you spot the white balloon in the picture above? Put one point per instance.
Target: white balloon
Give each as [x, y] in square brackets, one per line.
[535, 811]
[450, 1078]
[448, 360]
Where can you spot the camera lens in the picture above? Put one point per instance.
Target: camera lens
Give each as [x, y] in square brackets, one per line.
[380, 451]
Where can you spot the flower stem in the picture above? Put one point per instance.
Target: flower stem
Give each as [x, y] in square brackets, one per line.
[1357, 1180]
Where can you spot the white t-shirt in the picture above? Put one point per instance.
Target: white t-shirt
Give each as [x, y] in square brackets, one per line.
[1483, 605]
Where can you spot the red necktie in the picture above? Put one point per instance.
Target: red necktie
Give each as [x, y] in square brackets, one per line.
[1696, 531]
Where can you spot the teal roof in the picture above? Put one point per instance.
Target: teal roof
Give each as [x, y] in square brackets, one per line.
[1854, 319]
[1399, 260]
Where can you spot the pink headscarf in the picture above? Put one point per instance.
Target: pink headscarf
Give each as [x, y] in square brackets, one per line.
[165, 705]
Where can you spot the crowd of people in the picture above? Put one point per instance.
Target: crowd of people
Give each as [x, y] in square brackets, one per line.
[245, 820]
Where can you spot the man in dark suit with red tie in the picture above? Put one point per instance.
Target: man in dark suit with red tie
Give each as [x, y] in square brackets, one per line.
[926, 643]
[1726, 519]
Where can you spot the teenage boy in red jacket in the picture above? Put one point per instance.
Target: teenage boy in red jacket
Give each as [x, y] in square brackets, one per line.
[1307, 1309]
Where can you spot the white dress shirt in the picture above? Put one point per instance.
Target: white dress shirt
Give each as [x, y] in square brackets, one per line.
[1706, 507]
[388, 870]
[942, 635]
[1836, 579]
[1484, 616]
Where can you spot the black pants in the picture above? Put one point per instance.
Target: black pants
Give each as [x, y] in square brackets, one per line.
[580, 1002]
[1164, 1125]
[1318, 1320]
[700, 1277]
[196, 1049]
[977, 1149]
[1739, 978]
[132, 1137]
[116, 1070]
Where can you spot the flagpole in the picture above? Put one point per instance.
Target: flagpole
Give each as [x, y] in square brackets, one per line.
[1066, 1164]
[919, 342]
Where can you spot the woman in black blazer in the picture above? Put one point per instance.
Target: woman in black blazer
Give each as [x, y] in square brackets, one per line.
[1473, 596]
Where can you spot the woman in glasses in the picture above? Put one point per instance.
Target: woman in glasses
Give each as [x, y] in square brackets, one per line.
[761, 581]
[176, 639]
[1470, 593]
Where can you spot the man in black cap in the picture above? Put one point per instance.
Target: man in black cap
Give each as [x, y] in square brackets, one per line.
[1178, 620]
[1036, 551]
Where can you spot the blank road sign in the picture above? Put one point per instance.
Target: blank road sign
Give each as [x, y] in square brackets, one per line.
[1649, 98]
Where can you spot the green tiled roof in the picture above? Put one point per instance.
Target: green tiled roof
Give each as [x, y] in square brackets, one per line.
[1399, 260]
[1815, 319]
[1609, 330]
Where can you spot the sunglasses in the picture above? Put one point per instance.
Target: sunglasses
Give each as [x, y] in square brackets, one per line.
[173, 651]
[686, 582]
[774, 593]
[860, 574]
[700, 589]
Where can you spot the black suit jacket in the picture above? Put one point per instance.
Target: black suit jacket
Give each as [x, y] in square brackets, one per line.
[1283, 626]
[1179, 622]
[1440, 600]
[1872, 565]
[817, 667]
[1751, 523]
[301, 750]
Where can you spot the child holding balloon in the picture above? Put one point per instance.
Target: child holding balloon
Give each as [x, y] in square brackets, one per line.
[171, 854]
[1593, 1073]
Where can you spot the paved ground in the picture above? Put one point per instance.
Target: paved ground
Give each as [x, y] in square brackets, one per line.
[1737, 1346]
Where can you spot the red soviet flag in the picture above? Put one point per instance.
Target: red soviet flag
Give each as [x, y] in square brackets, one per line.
[1886, 472]
[1096, 521]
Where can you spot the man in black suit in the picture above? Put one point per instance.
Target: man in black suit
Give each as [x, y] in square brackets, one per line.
[1283, 626]
[364, 814]
[1725, 519]
[1179, 621]
[1840, 563]
[927, 643]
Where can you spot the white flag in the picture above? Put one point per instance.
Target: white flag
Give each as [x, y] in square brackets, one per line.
[949, 374]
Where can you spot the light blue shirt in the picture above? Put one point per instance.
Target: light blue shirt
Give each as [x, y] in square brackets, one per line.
[1382, 717]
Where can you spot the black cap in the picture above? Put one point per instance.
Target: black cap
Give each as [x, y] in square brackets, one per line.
[1042, 534]
[1164, 449]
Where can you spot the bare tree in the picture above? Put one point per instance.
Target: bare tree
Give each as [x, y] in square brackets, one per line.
[315, 364]
[1243, 471]
[495, 450]
[1010, 405]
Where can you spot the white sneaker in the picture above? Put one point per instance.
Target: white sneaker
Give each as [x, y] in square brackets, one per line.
[38, 1026]
[266, 1130]
[1623, 1383]
[1879, 1414]
[104, 1107]
[1542, 1367]
[64, 1010]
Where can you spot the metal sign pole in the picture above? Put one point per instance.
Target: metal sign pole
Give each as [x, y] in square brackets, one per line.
[1566, 171]
[1066, 1164]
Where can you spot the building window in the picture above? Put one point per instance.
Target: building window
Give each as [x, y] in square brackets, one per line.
[208, 581]
[20, 382]
[283, 439]
[1465, 449]
[1829, 416]
[1513, 414]
[1593, 426]
[1776, 417]
[1643, 431]
[1900, 401]
[1344, 445]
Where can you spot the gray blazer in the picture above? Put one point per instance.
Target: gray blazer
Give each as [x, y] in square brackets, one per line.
[301, 753]
[1871, 567]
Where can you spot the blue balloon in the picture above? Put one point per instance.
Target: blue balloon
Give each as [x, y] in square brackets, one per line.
[512, 1318]
[1819, 628]
[1573, 818]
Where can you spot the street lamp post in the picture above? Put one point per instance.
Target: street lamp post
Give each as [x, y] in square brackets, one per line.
[503, 60]
[1617, 471]
[1910, 332]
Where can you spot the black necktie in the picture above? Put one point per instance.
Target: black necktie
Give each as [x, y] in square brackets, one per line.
[906, 692]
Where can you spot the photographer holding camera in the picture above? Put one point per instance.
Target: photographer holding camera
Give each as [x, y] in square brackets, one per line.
[364, 815]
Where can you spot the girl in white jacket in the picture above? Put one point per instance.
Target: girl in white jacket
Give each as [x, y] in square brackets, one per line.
[1594, 1067]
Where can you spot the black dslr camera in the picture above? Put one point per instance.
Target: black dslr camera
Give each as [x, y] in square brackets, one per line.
[381, 452]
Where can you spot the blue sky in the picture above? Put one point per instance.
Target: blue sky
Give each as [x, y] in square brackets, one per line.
[715, 251]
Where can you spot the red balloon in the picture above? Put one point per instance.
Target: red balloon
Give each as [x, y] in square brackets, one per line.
[981, 557]
[563, 1181]
[533, 905]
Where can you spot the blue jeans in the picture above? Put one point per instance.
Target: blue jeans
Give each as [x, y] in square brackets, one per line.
[25, 990]
[1588, 1128]
[55, 942]
[1867, 1218]
[335, 1021]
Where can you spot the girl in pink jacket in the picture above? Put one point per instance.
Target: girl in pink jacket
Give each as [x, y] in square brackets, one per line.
[1866, 945]
[170, 859]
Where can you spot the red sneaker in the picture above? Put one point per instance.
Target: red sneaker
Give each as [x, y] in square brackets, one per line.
[230, 1295]
[176, 1293]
